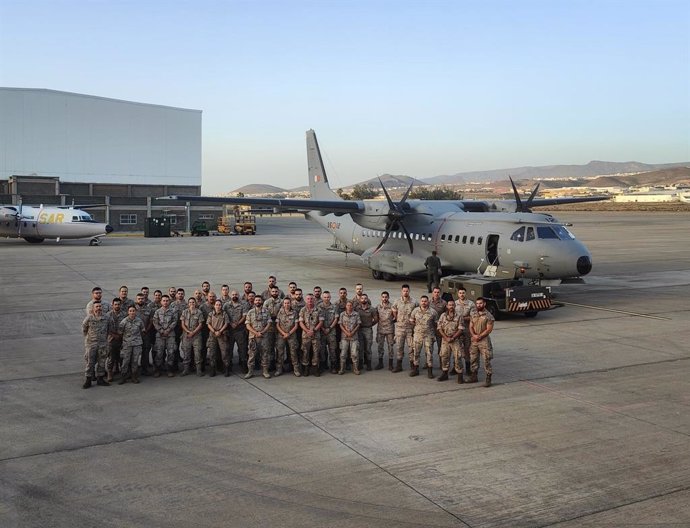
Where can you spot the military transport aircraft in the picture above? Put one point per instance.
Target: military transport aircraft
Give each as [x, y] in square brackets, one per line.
[395, 238]
[35, 224]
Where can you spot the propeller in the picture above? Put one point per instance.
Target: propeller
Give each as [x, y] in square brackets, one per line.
[396, 214]
[519, 206]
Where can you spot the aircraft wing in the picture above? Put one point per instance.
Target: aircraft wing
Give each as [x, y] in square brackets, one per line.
[541, 202]
[325, 206]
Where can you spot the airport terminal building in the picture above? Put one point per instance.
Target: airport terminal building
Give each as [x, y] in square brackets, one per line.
[62, 148]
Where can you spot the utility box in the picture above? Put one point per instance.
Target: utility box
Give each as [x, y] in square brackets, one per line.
[156, 227]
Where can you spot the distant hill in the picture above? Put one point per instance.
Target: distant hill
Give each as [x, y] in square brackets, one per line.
[259, 188]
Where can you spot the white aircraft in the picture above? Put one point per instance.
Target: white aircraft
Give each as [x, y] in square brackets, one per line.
[395, 238]
[35, 224]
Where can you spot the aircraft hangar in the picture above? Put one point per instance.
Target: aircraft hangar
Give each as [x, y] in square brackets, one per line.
[61, 148]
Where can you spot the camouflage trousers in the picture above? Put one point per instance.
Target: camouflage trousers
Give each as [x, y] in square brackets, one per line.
[131, 354]
[213, 344]
[350, 347]
[114, 348]
[381, 340]
[292, 346]
[484, 349]
[310, 349]
[426, 342]
[189, 346]
[165, 351]
[239, 336]
[270, 338]
[257, 346]
[366, 341]
[329, 348]
[95, 355]
[402, 336]
[447, 348]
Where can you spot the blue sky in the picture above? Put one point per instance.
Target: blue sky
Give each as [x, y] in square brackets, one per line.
[416, 88]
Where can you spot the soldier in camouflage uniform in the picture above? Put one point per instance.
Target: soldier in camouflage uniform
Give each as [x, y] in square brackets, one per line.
[217, 323]
[97, 295]
[192, 321]
[266, 294]
[95, 330]
[145, 313]
[237, 331]
[385, 331]
[464, 307]
[481, 325]
[368, 317]
[311, 321]
[329, 338]
[349, 342]
[125, 302]
[450, 327]
[402, 309]
[273, 304]
[206, 308]
[438, 305]
[286, 328]
[224, 294]
[165, 323]
[258, 323]
[132, 330]
[115, 316]
[423, 319]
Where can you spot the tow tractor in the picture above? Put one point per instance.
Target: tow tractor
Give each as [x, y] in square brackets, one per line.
[503, 296]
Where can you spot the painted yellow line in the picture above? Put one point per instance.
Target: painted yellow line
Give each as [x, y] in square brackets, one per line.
[616, 311]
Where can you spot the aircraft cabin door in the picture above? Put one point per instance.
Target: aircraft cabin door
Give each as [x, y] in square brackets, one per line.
[492, 250]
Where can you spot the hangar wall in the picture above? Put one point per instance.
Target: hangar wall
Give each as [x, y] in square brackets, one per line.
[83, 138]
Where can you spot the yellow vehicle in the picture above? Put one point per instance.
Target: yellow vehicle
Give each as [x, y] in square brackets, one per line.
[237, 219]
[224, 225]
[245, 223]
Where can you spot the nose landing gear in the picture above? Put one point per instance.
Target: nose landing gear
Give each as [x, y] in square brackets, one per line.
[95, 241]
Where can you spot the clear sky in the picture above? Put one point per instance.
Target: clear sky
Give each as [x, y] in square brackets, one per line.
[420, 88]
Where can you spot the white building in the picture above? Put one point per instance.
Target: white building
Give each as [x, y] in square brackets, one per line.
[83, 138]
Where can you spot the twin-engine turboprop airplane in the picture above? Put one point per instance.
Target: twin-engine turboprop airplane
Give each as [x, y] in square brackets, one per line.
[35, 224]
[395, 238]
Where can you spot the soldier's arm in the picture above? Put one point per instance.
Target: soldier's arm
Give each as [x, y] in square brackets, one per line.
[85, 326]
[488, 330]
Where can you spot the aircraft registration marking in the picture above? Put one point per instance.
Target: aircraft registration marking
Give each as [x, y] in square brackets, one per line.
[333, 225]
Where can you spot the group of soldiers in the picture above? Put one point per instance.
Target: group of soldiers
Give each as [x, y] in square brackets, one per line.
[280, 332]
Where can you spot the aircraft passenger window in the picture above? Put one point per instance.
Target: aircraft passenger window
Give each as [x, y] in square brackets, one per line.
[423, 236]
[457, 238]
[519, 234]
[416, 237]
[479, 241]
[546, 232]
[530, 233]
[472, 240]
[443, 237]
[464, 239]
[429, 236]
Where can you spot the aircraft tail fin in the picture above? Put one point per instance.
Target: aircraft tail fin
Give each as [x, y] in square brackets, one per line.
[318, 181]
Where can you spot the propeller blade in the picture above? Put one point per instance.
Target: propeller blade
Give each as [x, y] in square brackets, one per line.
[391, 205]
[518, 201]
[409, 239]
[531, 196]
[385, 237]
[404, 198]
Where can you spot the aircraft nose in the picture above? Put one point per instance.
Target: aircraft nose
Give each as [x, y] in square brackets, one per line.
[109, 229]
[584, 265]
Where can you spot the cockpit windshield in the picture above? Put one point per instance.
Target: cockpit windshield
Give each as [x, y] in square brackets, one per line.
[556, 231]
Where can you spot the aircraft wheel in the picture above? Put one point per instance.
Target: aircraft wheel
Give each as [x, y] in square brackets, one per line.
[388, 276]
[376, 274]
[34, 240]
[531, 314]
[95, 242]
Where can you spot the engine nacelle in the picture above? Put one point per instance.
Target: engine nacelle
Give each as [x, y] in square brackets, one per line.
[374, 215]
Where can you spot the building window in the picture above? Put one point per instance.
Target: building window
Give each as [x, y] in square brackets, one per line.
[128, 219]
[172, 219]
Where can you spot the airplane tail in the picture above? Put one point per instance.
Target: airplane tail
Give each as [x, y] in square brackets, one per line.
[318, 181]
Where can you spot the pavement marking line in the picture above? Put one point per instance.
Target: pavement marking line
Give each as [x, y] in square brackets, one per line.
[616, 311]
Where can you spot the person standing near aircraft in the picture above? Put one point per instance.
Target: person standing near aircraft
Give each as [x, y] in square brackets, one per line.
[132, 330]
[402, 309]
[273, 304]
[97, 296]
[237, 331]
[95, 330]
[165, 323]
[329, 339]
[286, 328]
[464, 307]
[385, 331]
[192, 321]
[115, 316]
[217, 323]
[368, 317]
[437, 304]
[481, 325]
[224, 294]
[423, 319]
[451, 328]
[248, 287]
[433, 271]
[271, 284]
[258, 323]
[125, 302]
[311, 321]
[145, 313]
[349, 328]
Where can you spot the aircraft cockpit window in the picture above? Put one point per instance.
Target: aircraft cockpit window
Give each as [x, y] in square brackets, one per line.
[546, 232]
[530, 233]
[519, 234]
[563, 232]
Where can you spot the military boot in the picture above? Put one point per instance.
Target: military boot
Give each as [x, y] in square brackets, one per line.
[398, 366]
[249, 374]
[156, 373]
[305, 370]
[212, 371]
[415, 371]
[368, 363]
[379, 365]
[342, 367]
[296, 371]
[200, 370]
[429, 373]
[135, 375]
[110, 376]
[316, 370]
[265, 373]
[278, 372]
[226, 371]
[122, 380]
[355, 368]
[334, 369]
[443, 376]
[87, 382]
[184, 372]
[473, 378]
[390, 364]
[460, 378]
[487, 382]
[100, 381]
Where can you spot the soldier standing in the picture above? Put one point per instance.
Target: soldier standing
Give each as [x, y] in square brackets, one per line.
[423, 319]
[97, 295]
[450, 327]
[125, 302]
[481, 325]
[311, 321]
[217, 323]
[165, 323]
[115, 316]
[248, 287]
[368, 317]
[267, 292]
[464, 307]
[286, 327]
[402, 309]
[329, 339]
[349, 328]
[224, 294]
[273, 304]
[433, 270]
[385, 331]
[438, 305]
[145, 313]
[237, 331]
[258, 323]
[132, 330]
[192, 321]
[95, 330]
